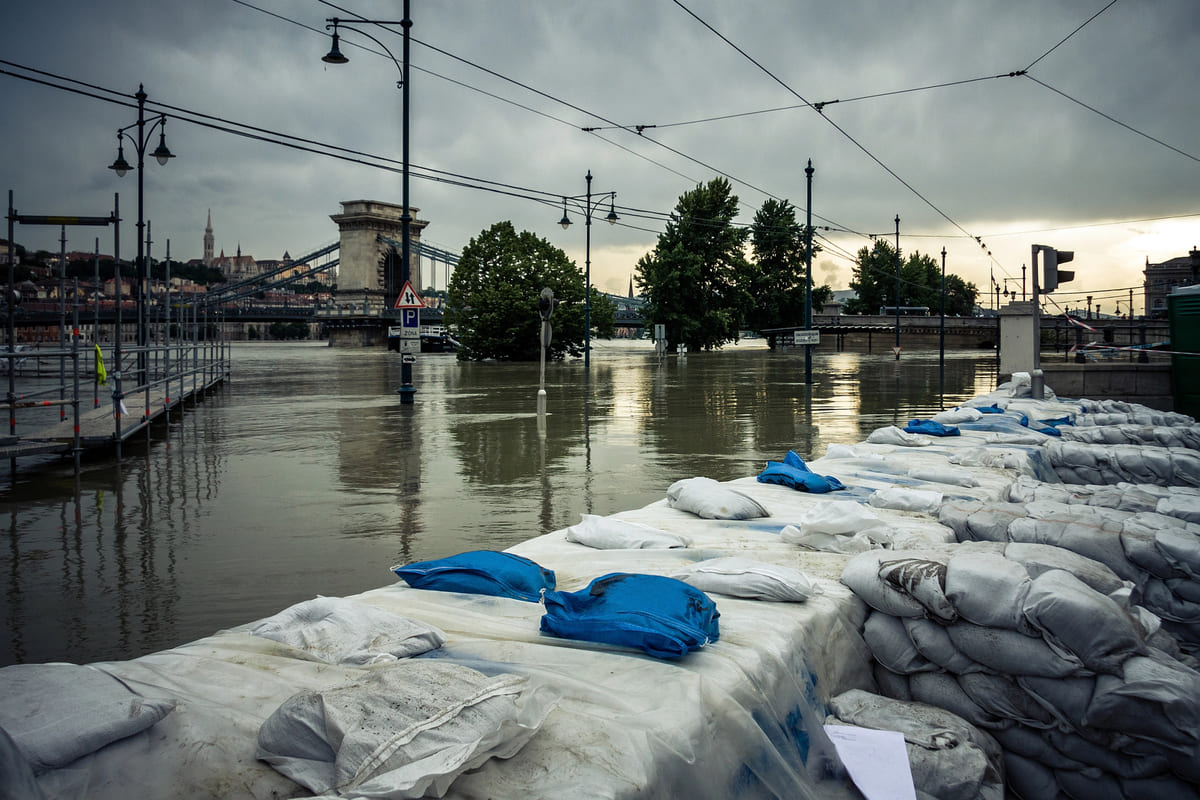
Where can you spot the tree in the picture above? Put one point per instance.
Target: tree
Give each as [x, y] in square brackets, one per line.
[920, 283]
[492, 298]
[777, 280]
[690, 279]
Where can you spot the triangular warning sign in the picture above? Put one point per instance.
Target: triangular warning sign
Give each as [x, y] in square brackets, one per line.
[409, 298]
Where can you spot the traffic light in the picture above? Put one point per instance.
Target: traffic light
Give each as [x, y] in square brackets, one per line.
[1052, 276]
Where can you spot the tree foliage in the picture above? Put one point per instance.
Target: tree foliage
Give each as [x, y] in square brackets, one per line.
[920, 283]
[776, 279]
[492, 298]
[690, 281]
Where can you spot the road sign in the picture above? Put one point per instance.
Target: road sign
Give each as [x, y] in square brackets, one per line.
[896, 351]
[408, 358]
[807, 337]
[409, 298]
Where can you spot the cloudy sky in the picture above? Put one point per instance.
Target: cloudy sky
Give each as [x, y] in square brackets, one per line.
[1095, 148]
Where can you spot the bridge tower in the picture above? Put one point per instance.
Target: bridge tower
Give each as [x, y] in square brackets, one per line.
[369, 269]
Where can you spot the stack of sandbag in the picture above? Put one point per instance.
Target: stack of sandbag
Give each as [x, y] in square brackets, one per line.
[1077, 462]
[1175, 501]
[1158, 554]
[1060, 673]
[1187, 436]
[1138, 416]
[1108, 406]
[950, 758]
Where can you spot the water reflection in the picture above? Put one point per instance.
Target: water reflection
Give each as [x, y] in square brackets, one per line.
[305, 475]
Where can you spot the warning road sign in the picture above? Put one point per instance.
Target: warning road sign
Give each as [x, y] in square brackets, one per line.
[409, 298]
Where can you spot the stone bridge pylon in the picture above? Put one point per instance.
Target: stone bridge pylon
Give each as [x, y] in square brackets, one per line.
[370, 272]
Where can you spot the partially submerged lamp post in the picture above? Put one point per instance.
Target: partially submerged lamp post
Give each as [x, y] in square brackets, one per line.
[121, 166]
[545, 309]
[612, 218]
[335, 56]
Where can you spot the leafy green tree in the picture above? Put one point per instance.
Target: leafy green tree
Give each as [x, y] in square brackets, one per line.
[776, 278]
[920, 283]
[690, 281]
[493, 294]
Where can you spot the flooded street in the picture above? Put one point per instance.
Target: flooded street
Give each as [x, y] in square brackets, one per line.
[304, 475]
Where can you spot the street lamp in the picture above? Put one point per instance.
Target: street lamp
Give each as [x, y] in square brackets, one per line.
[335, 56]
[121, 166]
[612, 218]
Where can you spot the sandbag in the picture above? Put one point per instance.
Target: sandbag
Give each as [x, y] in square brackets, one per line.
[342, 631]
[487, 572]
[932, 641]
[1152, 698]
[891, 646]
[661, 616]
[861, 574]
[607, 533]
[1079, 621]
[1011, 652]
[893, 435]
[921, 501]
[709, 499]
[1001, 697]
[744, 577]
[950, 475]
[793, 472]
[987, 589]
[401, 730]
[1039, 558]
[922, 579]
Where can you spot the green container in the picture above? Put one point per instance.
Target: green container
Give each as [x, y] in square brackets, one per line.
[1183, 313]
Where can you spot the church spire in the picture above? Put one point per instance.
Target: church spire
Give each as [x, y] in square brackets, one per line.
[208, 241]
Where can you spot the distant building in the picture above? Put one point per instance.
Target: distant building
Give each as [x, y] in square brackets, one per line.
[1162, 279]
[208, 241]
[238, 267]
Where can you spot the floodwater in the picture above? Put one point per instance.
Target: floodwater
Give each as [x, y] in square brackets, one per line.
[304, 475]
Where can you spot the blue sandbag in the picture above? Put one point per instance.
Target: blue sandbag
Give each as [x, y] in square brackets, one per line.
[661, 616]
[992, 409]
[930, 428]
[795, 473]
[487, 572]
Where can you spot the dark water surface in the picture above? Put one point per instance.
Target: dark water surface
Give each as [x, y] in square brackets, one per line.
[304, 475]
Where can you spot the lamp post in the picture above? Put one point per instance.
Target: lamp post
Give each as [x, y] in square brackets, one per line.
[612, 218]
[808, 172]
[335, 56]
[121, 166]
[897, 287]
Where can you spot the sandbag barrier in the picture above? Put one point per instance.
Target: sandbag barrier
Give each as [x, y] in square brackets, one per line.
[1068, 680]
[1159, 555]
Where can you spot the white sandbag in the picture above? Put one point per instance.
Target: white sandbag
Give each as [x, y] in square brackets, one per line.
[709, 499]
[849, 451]
[933, 642]
[608, 533]
[861, 574]
[341, 631]
[950, 475]
[1012, 653]
[871, 539]
[840, 518]
[745, 577]
[891, 647]
[1075, 619]
[957, 415]
[922, 579]
[921, 501]
[57, 713]
[950, 758]
[896, 436]
[402, 730]
[987, 589]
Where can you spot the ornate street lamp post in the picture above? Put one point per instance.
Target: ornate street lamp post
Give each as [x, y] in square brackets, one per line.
[588, 208]
[335, 56]
[121, 166]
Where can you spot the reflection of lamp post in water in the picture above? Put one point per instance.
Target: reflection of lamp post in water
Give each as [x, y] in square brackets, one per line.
[545, 309]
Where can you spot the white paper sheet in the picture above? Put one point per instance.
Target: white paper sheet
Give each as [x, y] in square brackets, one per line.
[876, 760]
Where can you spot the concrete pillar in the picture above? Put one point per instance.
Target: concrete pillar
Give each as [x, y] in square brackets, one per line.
[362, 269]
[1018, 339]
